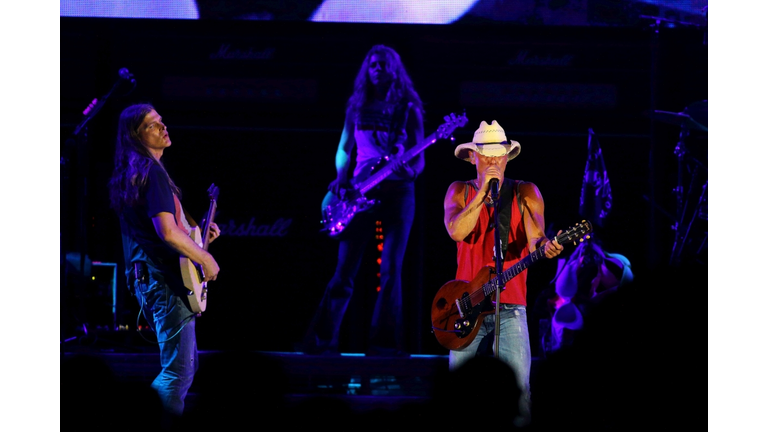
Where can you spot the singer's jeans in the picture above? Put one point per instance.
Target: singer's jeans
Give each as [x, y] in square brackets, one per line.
[395, 211]
[174, 325]
[514, 347]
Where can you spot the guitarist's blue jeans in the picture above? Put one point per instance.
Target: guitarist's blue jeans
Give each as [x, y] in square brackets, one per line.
[174, 325]
[396, 212]
[514, 348]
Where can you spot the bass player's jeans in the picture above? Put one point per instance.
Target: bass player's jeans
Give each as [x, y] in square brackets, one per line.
[396, 213]
[174, 325]
[514, 349]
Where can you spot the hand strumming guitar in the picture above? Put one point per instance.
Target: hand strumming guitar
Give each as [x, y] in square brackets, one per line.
[210, 268]
[338, 184]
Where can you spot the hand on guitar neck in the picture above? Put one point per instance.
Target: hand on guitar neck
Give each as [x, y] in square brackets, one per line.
[339, 185]
[402, 169]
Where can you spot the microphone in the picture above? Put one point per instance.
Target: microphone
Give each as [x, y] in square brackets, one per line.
[95, 106]
[494, 189]
[126, 75]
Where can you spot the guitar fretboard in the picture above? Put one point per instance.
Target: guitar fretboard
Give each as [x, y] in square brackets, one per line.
[488, 288]
[507, 275]
[387, 170]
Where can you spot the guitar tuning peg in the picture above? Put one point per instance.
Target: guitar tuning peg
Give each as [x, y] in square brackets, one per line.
[588, 237]
[581, 240]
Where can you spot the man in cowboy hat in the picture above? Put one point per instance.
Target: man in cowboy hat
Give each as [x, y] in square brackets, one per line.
[469, 219]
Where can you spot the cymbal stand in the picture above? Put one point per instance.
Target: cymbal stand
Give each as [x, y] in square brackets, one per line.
[682, 202]
[697, 213]
[680, 152]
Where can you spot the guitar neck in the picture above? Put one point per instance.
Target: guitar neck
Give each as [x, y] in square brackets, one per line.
[382, 174]
[207, 224]
[507, 275]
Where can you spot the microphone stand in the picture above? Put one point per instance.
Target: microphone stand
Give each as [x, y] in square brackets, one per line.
[92, 110]
[498, 256]
[77, 146]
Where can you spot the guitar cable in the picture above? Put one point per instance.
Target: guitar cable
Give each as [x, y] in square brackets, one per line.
[445, 331]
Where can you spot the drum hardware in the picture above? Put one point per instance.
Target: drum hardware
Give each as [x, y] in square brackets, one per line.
[694, 117]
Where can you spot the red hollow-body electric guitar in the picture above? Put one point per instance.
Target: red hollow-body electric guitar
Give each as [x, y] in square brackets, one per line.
[459, 305]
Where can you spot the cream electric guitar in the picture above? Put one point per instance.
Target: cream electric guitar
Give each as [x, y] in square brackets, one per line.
[192, 272]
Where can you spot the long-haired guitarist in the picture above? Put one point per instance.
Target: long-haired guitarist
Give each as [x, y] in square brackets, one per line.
[384, 117]
[469, 218]
[155, 232]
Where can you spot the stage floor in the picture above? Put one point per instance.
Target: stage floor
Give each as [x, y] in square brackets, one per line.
[595, 388]
[362, 382]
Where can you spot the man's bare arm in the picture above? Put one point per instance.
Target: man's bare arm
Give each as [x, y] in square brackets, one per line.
[178, 240]
[459, 219]
[533, 218]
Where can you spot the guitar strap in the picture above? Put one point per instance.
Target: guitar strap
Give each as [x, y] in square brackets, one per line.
[181, 218]
[505, 199]
[395, 131]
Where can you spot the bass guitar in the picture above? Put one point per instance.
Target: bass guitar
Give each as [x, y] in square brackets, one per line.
[459, 305]
[338, 212]
[192, 272]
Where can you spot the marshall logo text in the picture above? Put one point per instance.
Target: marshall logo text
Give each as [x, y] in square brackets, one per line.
[523, 59]
[277, 229]
[226, 52]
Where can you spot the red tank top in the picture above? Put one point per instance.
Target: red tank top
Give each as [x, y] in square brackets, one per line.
[476, 251]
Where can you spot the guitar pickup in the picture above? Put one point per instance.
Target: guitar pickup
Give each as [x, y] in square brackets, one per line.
[458, 306]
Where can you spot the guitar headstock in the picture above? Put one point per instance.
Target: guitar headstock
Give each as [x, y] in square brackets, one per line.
[579, 232]
[213, 192]
[452, 122]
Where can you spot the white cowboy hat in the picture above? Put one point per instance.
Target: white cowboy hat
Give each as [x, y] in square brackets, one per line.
[489, 140]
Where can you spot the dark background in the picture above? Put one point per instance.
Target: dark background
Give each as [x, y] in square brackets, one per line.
[256, 107]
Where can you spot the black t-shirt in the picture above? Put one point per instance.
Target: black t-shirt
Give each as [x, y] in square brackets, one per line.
[140, 240]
